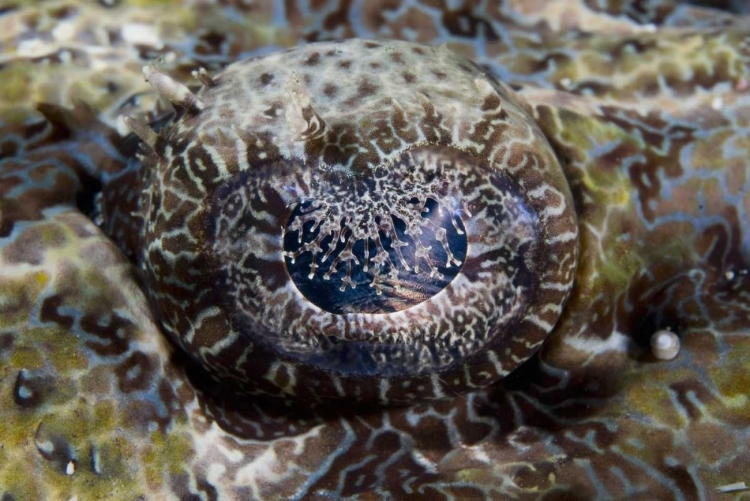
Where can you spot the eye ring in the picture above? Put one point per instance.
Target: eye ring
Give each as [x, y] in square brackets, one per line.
[268, 153]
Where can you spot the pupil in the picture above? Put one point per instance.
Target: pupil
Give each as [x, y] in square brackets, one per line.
[381, 267]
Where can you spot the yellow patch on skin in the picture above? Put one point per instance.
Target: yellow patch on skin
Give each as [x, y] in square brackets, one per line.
[16, 293]
[15, 79]
[605, 264]
[646, 398]
[15, 477]
[68, 356]
[41, 278]
[704, 151]
[613, 187]
[87, 427]
[104, 414]
[474, 475]
[175, 18]
[44, 345]
[26, 357]
[736, 402]
[172, 450]
[732, 379]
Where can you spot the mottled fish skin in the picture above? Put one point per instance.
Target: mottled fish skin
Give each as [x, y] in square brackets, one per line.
[646, 107]
[311, 131]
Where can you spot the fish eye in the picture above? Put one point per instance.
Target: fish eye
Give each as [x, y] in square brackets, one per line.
[315, 230]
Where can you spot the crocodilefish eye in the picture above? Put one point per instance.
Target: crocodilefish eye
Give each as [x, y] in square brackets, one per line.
[374, 221]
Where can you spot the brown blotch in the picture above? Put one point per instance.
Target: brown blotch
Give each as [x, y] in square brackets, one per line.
[175, 244]
[141, 413]
[210, 43]
[465, 23]
[537, 477]
[431, 436]
[283, 377]
[61, 452]
[337, 18]
[551, 60]
[49, 312]
[632, 46]
[6, 341]
[271, 111]
[30, 390]
[63, 12]
[200, 163]
[213, 330]
[135, 373]
[313, 60]
[167, 396]
[409, 77]
[266, 78]
[366, 88]
[492, 102]
[30, 246]
[713, 242]
[34, 129]
[114, 333]
[8, 149]
[330, 90]
[345, 64]
[690, 403]
[8, 183]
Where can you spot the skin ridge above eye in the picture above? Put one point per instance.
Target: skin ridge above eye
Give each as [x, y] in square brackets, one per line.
[315, 127]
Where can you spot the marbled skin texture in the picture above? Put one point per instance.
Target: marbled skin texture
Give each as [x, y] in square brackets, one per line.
[646, 106]
[221, 181]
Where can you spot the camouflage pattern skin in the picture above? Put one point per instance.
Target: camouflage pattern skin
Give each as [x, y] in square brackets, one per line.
[646, 106]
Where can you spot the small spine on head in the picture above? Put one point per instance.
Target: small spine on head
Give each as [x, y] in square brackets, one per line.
[303, 120]
[142, 130]
[173, 90]
[202, 75]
